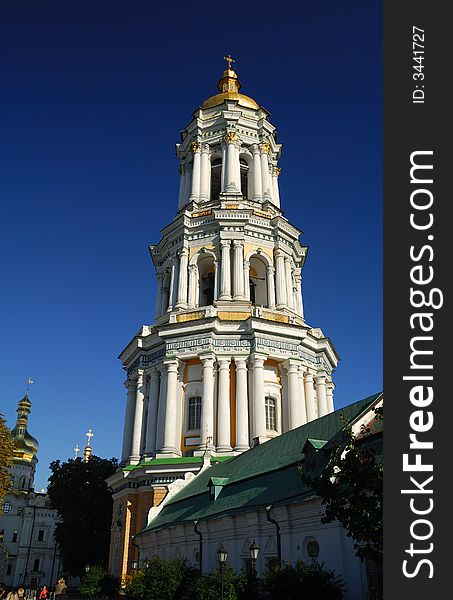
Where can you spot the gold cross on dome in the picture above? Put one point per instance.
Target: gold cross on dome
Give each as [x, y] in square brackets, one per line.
[76, 450]
[89, 435]
[229, 60]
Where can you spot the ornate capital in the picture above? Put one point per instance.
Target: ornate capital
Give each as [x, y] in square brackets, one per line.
[195, 147]
[255, 149]
[266, 147]
[231, 137]
[277, 171]
[270, 269]
[238, 243]
[225, 243]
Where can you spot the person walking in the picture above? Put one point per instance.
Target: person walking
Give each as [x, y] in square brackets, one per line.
[43, 593]
[60, 588]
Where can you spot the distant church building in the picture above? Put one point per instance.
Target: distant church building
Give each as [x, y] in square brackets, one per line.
[230, 361]
[28, 553]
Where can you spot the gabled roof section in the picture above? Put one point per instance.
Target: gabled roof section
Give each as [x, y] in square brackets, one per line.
[266, 474]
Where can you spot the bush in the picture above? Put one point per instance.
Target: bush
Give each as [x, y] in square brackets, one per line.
[97, 583]
[161, 580]
[209, 586]
[305, 580]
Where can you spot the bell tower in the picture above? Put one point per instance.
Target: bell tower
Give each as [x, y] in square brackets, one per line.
[230, 360]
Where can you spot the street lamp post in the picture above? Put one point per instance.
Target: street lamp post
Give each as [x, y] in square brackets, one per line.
[222, 556]
[254, 551]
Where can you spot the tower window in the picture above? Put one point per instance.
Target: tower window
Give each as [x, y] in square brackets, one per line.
[14, 538]
[271, 417]
[36, 564]
[208, 288]
[252, 291]
[9, 569]
[244, 168]
[41, 535]
[194, 412]
[7, 506]
[216, 178]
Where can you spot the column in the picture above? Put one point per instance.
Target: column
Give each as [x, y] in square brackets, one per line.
[138, 417]
[237, 166]
[289, 283]
[242, 412]
[153, 403]
[270, 286]
[196, 171]
[224, 174]
[223, 405]
[182, 283]
[159, 277]
[310, 397]
[322, 396]
[298, 282]
[192, 300]
[275, 190]
[128, 420]
[293, 394]
[231, 183]
[303, 409]
[171, 291]
[329, 394]
[265, 149]
[225, 288]
[247, 279]
[238, 270]
[165, 293]
[187, 182]
[205, 173]
[182, 182]
[207, 407]
[170, 445]
[280, 284]
[259, 417]
[257, 177]
[216, 280]
[161, 408]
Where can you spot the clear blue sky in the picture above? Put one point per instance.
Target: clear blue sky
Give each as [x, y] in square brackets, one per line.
[93, 96]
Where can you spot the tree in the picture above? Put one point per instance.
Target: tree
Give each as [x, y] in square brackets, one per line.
[350, 486]
[304, 580]
[97, 582]
[162, 580]
[6, 457]
[77, 489]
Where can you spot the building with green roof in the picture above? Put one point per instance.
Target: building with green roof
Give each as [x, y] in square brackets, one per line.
[259, 496]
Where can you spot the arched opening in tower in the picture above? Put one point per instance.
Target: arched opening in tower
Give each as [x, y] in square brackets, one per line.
[258, 282]
[244, 168]
[207, 280]
[216, 178]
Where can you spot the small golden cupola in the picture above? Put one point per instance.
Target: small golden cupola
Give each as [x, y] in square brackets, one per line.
[88, 451]
[26, 445]
[229, 86]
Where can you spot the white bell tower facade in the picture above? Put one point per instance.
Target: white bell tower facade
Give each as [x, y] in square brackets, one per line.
[230, 360]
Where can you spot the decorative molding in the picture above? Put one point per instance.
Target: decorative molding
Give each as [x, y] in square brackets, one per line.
[233, 316]
[194, 316]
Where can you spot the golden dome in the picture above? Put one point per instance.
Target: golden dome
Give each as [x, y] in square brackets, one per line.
[229, 86]
[26, 446]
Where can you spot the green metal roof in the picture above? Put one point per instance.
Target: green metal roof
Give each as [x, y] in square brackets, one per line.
[266, 474]
[183, 460]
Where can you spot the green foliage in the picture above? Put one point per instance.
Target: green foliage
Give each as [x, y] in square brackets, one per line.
[209, 587]
[77, 489]
[351, 486]
[304, 580]
[6, 458]
[161, 580]
[97, 583]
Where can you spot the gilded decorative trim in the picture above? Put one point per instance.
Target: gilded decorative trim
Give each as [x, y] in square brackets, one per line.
[190, 316]
[233, 316]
